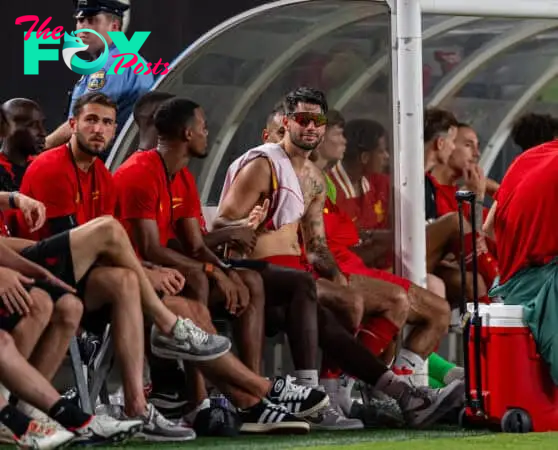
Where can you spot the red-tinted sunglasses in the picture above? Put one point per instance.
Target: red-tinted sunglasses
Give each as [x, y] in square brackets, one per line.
[304, 119]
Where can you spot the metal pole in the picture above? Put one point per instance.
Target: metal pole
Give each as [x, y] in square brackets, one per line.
[408, 141]
[525, 9]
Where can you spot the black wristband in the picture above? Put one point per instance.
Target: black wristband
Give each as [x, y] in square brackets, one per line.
[11, 199]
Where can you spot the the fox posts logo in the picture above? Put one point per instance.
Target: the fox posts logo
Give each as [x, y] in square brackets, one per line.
[127, 58]
[73, 45]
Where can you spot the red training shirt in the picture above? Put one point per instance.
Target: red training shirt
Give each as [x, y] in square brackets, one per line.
[186, 202]
[525, 215]
[54, 179]
[143, 191]
[369, 211]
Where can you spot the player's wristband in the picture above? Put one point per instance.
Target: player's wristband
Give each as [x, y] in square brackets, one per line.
[208, 268]
[12, 199]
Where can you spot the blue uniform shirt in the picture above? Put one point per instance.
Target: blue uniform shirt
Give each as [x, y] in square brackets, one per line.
[124, 89]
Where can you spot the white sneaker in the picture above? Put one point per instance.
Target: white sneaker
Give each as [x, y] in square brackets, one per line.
[105, 429]
[44, 436]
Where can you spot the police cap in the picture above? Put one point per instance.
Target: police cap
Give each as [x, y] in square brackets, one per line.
[88, 8]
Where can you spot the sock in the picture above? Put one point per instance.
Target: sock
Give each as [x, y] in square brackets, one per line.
[434, 383]
[68, 415]
[331, 388]
[191, 416]
[486, 263]
[377, 333]
[392, 385]
[438, 367]
[344, 395]
[410, 360]
[15, 420]
[306, 377]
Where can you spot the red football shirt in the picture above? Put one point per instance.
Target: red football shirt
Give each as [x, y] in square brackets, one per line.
[186, 202]
[65, 189]
[525, 215]
[369, 211]
[143, 190]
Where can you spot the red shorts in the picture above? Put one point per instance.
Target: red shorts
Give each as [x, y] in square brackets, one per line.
[291, 261]
[381, 275]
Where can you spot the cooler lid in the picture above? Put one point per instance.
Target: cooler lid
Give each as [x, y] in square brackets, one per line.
[499, 315]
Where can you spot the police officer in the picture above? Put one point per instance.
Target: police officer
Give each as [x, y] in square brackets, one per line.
[103, 16]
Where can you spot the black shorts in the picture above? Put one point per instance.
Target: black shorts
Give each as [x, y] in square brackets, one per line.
[55, 255]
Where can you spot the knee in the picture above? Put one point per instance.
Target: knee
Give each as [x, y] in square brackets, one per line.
[110, 231]
[67, 312]
[441, 315]
[399, 304]
[7, 345]
[42, 306]
[124, 282]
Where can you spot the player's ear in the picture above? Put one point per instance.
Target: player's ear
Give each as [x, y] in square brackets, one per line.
[265, 135]
[364, 158]
[73, 123]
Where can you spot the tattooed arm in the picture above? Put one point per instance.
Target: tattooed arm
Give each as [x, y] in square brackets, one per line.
[313, 233]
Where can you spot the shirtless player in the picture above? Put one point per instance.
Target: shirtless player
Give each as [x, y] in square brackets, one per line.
[269, 175]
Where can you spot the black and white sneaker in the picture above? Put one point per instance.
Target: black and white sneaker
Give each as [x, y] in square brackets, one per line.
[265, 417]
[300, 401]
[170, 404]
[422, 406]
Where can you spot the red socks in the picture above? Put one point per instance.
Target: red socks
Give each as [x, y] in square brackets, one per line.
[377, 333]
[486, 263]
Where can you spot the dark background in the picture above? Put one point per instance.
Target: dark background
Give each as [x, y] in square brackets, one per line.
[174, 24]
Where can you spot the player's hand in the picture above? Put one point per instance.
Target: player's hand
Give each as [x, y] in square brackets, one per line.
[243, 292]
[166, 280]
[258, 215]
[474, 179]
[33, 211]
[14, 296]
[229, 290]
[244, 238]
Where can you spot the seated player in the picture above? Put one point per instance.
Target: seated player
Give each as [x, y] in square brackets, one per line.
[238, 294]
[442, 230]
[529, 131]
[291, 192]
[107, 243]
[527, 245]
[429, 313]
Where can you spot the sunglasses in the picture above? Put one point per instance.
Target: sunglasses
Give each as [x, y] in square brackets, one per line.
[304, 118]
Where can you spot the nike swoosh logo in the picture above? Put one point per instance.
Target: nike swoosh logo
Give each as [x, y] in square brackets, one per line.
[174, 396]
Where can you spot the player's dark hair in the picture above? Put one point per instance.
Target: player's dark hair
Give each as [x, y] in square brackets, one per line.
[173, 116]
[362, 135]
[437, 122]
[464, 125]
[532, 129]
[305, 95]
[4, 124]
[96, 98]
[147, 104]
[335, 119]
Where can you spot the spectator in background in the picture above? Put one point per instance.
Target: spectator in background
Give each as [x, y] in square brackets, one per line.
[103, 16]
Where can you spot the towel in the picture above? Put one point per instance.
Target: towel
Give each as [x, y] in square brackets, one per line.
[287, 200]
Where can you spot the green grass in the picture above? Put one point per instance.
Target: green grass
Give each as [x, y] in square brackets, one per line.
[443, 439]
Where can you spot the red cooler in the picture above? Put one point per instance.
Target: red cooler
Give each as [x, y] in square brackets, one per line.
[517, 392]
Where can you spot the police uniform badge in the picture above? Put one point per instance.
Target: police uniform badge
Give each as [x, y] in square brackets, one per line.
[97, 80]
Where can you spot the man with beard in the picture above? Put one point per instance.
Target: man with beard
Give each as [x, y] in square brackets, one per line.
[291, 191]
